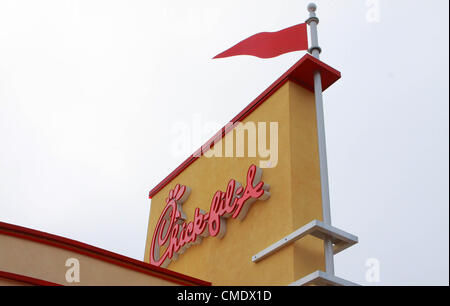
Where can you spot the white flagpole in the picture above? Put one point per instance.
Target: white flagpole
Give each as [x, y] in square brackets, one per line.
[315, 50]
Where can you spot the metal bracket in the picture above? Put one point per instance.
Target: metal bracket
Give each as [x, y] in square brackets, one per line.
[340, 239]
[310, 50]
[320, 278]
[312, 18]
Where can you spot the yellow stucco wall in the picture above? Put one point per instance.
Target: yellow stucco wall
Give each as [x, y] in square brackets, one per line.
[294, 201]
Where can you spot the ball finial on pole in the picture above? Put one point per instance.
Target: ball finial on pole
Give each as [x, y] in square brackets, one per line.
[312, 7]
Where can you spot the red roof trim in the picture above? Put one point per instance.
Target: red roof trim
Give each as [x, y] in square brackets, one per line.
[98, 253]
[26, 279]
[301, 73]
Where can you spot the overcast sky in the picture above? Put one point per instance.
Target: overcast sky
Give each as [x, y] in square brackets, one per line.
[90, 92]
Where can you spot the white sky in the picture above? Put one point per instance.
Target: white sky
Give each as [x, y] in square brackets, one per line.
[90, 90]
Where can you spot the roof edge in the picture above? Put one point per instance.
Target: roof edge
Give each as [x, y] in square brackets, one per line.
[98, 253]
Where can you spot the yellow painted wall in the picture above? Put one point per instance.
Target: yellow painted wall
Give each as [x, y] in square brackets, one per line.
[294, 201]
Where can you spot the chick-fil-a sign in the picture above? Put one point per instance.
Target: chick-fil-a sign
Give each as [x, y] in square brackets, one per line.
[175, 235]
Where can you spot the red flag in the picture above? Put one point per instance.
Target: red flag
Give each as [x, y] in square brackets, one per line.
[271, 44]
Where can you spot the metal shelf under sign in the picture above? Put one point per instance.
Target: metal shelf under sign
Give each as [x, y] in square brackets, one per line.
[341, 240]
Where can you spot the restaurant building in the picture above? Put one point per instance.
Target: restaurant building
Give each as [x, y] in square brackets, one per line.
[218, 218]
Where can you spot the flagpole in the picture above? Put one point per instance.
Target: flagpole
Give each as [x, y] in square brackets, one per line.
[315, 50]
